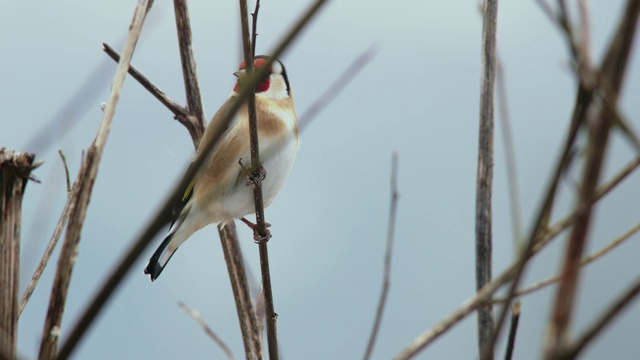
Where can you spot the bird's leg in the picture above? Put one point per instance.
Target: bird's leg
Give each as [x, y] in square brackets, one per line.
[256, 236]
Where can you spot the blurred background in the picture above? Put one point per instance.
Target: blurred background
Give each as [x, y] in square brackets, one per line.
[419, 96]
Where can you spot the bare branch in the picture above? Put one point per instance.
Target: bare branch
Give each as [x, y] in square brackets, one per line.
[238, 278]
[386, 278]
[253, 124]
[613, 69]
[78, 212]
[194, 100]
[180, 113]
[260, 230]
[66, 170]
[196, 316]
[484, 178]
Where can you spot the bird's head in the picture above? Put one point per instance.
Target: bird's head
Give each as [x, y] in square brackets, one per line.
[275, 86]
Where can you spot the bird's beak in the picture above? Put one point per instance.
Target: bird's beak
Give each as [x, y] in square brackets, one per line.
[239, 74]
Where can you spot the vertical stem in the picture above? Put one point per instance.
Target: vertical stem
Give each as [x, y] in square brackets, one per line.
[14, 174]
[272, 339]
[194, 100]
[485, 172]
[239, 285]
[271, 316]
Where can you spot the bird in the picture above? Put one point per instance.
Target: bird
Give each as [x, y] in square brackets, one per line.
[220, 192]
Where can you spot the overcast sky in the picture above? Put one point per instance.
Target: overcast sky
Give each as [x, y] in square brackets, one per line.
[419, 96]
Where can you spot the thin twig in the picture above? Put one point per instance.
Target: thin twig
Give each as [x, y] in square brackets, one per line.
[71, 201]
[386, 277]
[85, 183]
[254, 28]
[178, 111]
[513, 329]
[66, 170]
[484, 180]
[162, 216]
[207, 329]
[334, 90]
[572, 351]
[512, 173]
[585, 261]
[52, 242]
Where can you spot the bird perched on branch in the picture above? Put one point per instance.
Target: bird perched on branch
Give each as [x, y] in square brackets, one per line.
[219, 192]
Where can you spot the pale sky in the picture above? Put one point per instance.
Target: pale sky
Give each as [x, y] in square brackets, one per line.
[419, 96]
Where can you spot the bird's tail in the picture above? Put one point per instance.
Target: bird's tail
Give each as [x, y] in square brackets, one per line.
[160, 258]
[176, 236]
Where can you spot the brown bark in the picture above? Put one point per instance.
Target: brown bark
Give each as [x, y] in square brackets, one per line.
[15, 168]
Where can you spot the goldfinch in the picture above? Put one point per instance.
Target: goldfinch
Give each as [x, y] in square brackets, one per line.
[219, 192]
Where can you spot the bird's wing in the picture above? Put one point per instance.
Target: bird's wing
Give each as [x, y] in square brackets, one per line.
[218, 174]
[180, 204]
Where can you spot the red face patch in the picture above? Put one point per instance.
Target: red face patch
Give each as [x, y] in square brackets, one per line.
[263, 86]
[257, 63]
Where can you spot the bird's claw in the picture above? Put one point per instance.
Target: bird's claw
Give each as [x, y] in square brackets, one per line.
[257, 238]
[256, 177]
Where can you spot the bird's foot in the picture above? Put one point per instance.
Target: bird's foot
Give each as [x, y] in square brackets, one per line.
[253, 177]
[257, 238]
[257, 176]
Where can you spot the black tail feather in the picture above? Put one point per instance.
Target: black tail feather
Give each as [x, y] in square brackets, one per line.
[154, 268]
